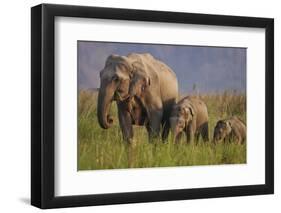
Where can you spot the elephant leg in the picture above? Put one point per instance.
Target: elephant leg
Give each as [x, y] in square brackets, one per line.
[205, 132]
[166, 126]
[148, 129]
[228, 139]
[239, 140]
[166, 129]
[125, 121]
[155, 119]
[189, 135]
[197, 135]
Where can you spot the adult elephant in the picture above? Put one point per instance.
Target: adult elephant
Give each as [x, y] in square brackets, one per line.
[115, 80]
[156, 86]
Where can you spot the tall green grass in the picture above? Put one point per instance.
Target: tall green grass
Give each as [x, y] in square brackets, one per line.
[105, 149]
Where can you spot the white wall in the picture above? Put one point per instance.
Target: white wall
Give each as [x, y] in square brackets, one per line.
[15, 105]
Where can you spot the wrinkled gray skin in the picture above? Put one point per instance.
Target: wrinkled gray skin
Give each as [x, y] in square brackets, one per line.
[115, 81]
[189, 116]
[156, 86]
[232, 129]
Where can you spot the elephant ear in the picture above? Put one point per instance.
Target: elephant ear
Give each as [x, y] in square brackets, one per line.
[146, 83]
[188, 110]
[138, 66]
[140, 72]
[191, 110]
[146, 65]
[228, 123]
[117, 59]
[228, 126]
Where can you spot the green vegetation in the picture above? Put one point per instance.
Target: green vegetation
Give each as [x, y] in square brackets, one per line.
[105, 149]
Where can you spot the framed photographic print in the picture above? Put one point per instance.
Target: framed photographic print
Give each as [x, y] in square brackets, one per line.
[139, 106]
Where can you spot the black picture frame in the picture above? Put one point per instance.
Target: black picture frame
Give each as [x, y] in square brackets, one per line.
[43, 102]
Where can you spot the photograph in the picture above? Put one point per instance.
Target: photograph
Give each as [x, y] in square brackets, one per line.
[141, 105]
[146, 105]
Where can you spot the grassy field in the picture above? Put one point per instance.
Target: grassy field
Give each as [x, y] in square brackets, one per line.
[104, 149]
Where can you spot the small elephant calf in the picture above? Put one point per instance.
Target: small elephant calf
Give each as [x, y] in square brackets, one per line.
[189, 115]
[231, 129]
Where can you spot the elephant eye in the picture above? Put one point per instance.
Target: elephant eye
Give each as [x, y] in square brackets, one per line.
[115, 78]
[181, 122]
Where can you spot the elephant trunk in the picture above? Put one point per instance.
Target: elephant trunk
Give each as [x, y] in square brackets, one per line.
[105, 99]
[132, 91]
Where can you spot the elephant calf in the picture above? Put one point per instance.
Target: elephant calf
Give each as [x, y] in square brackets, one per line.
[189, 115]
[231, 129]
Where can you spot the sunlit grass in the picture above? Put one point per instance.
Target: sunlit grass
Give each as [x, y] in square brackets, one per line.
[105, 149]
